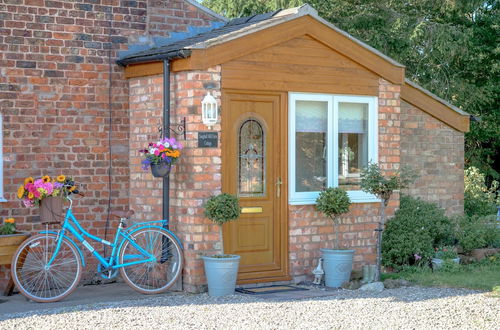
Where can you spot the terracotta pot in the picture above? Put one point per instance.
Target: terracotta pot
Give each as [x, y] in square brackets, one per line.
[160, 170]
[51, 209]
[9, 244]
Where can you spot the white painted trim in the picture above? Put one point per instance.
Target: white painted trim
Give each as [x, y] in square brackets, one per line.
[308, 198]
[2, 199]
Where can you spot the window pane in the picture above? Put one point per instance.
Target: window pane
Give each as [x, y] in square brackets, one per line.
[353, 143]
[310, 145]
[251, 159]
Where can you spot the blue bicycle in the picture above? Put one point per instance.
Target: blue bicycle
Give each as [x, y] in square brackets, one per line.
[47, 267]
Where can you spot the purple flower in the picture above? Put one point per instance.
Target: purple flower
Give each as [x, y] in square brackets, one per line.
[58, 185]
[417, 257]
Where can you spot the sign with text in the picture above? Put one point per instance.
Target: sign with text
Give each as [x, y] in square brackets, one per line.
[208, 139]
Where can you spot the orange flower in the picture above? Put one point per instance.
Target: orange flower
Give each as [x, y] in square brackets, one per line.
[61, 178]
[46, 178]
[9, 220]
[30, 195]
[28, 180]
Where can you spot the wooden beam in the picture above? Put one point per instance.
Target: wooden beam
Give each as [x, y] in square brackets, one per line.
[143, 69]
[435, 108]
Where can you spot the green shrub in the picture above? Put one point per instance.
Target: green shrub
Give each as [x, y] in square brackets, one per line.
[416, 229]
[477, 232]
[479, 200]
[222, 208]
[333, 202]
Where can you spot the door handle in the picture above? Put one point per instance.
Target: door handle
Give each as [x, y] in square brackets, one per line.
[278, 187]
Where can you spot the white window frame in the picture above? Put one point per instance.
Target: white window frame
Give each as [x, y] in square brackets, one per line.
[2, 199]
[356, 196]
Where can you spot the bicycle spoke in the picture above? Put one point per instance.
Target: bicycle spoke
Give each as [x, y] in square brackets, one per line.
[47, 284]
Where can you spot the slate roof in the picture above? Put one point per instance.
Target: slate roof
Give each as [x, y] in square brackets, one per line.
[181, 48]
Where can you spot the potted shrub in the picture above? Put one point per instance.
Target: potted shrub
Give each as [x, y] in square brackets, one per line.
[160, 156]
[221, 270]
[337, 263]
[10, 239]
[444, 254]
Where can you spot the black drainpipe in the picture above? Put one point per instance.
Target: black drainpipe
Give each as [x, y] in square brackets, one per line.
[166, 133]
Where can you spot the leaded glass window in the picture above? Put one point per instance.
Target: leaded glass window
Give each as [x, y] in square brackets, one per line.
[251, 164]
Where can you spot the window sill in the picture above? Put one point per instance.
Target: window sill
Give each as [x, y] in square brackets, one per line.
[356, 197]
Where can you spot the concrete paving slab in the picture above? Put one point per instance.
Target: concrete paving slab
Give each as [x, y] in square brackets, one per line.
[84, 295]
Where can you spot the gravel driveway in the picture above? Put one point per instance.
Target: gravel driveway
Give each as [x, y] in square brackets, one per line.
[403, 308]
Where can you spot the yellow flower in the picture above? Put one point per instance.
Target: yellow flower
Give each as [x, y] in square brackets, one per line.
[72, 189]
[28, 180]
[9, 220]
[20, 192]
[61, 178]
[46, 179]
[30, 195]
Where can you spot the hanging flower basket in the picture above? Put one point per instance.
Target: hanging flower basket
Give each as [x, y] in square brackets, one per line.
[161, 169]
[160, 156]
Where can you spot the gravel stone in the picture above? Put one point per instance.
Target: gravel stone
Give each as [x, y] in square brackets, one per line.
[375, 287]
[402, 308]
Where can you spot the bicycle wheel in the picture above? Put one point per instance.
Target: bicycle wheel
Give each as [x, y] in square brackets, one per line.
[154, 276]
[38, 282]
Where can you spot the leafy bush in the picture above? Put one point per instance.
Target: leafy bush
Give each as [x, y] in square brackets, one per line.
[416, 229]
[479, 200]
[222, 208]
[476, 232]
[333, 202]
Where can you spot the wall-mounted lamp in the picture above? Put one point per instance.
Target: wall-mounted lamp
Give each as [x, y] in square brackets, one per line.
[209, 110]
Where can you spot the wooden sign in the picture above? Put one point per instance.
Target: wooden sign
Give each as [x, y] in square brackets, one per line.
[208, 139]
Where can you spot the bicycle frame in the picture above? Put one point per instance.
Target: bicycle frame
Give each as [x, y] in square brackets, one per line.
[120, 237]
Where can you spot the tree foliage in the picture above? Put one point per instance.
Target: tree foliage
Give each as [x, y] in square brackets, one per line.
[449, 47]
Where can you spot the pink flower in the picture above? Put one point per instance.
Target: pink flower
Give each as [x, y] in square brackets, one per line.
[49, 188]
[417, 257]
[157, 152]
[39, 183]
[27, 202]
[30, 187]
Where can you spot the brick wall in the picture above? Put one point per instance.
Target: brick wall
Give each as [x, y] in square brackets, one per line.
[194, 178]
[310, 231]
[54, 95]
[436, 152]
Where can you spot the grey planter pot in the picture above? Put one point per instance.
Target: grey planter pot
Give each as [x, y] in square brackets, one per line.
[221, 274]
[438, 263]
[337, 265]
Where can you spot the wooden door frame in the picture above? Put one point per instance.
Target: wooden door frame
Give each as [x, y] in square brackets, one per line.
[282, 204]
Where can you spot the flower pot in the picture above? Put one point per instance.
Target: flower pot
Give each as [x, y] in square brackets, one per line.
[438, 263]
[9, 244]
[221, 273]
[51, 209]
[337, 265]
[160, 170]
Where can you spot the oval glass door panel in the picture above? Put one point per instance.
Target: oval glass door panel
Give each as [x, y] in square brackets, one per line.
[251, 162]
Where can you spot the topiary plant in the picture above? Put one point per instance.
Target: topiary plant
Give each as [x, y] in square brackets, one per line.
[221, 209]
[374, 182]
[333, 202]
